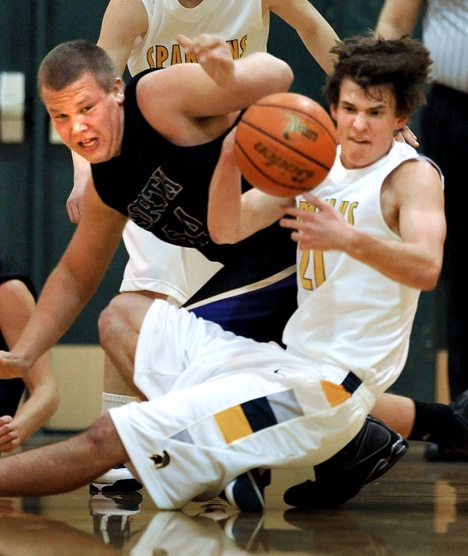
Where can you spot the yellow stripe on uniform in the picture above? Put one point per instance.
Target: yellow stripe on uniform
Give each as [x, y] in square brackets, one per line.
[335, 393]
[233, 423]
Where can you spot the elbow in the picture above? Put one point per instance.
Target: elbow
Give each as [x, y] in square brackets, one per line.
[221, 231]
[222, 237]
[280, 74]
[428, 285]
[428, 281]
[287, 75]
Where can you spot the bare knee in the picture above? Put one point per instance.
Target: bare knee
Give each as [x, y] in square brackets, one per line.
[124, 314]
[110, 320]
[120, 315]
[103, 440]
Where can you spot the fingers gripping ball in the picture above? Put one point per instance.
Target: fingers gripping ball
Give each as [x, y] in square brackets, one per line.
[285, 143]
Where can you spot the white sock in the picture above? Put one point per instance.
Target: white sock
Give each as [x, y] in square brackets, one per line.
[115, 400]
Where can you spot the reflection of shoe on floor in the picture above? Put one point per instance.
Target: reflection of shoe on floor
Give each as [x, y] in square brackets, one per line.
[434, 452]
[246, 491]
[246, 530]
[117, 479]
[112, 514]
[367, 457]
[216, 510]
[455, 447]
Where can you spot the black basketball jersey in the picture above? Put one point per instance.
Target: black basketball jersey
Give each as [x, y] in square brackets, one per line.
[164, 188]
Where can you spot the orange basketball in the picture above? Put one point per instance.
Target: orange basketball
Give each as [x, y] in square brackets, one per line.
[285, 143]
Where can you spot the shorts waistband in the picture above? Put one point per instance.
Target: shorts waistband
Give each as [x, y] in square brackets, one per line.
[351, 382]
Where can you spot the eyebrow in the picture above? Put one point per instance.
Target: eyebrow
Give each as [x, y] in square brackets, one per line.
[374, 107]
[79, 104]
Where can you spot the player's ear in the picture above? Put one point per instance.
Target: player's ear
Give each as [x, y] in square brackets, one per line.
[333, 111]
[401, 122]
[119, 90]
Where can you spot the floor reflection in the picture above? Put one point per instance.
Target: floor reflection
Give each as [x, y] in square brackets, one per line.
[418, 508]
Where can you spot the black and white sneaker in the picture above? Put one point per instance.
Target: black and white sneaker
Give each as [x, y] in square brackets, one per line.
[246, 491]
[367, 457]
[117, 479]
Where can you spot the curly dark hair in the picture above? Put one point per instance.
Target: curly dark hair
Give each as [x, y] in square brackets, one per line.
[371, 61]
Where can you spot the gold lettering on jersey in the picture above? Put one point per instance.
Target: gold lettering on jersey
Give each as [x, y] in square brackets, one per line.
[305, 257]
[350, 212]
[157, 56]
[347, 210]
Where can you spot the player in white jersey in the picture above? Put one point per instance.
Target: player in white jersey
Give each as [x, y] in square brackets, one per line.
[368, 333]
[221, 408]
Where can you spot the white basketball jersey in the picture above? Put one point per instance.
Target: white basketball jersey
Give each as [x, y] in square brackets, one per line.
[239, 22]
[350, 315]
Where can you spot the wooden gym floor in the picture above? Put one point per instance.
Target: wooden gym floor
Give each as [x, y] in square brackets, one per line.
[417, 508]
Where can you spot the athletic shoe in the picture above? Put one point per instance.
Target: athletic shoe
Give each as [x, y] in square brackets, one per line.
[117, 479]
[112, 514]
[368, 456]
[456, 448]
[246, 491]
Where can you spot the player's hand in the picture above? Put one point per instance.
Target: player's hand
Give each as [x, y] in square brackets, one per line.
[12, 365]
[9, 434]
[405, 135]
[319, 226]
[213, 54]
[75, 201]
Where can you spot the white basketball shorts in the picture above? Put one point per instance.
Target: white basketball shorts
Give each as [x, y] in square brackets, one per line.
[161, 267]
[220, 404]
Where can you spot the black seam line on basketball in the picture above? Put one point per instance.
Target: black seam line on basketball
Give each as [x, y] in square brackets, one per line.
[300, 153]
[306, 114]
[264, 174]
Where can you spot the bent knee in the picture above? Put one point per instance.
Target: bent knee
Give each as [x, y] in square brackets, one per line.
[124, 313]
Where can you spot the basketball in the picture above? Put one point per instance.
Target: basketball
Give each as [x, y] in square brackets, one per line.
[285, 144]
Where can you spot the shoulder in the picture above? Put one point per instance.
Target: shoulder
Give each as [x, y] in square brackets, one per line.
[414, 182]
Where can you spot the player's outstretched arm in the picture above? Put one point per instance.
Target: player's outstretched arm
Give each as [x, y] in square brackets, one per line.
[233, 216]
[314, 30]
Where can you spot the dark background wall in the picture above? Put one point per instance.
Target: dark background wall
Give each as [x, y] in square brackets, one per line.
[36, 175]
